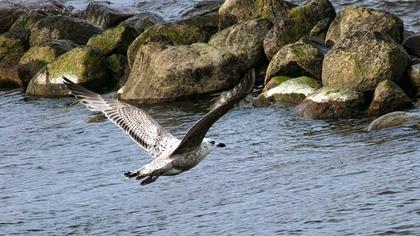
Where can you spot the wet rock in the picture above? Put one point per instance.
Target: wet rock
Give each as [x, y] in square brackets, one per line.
[388, 97]
[298, 59]
[356, 19]
[414, 78]
[8, 15]
[412, 45]
[62, 27]
[330, 102]
[245, 40]
[245, 10]
[166, 73]
[394, 119]
[103, 16]
[203, 8]
[275, 81]
[115, 40]
[118, 64]
[12, 47]
[292, 91]
[90, 71]
[142, 21]
[262, 100]
[27, 21]
[304, 20]
[36, 58]
[362, 60]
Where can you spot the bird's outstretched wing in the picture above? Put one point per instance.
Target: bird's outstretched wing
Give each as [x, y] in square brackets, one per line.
[224, 103]
[135, 122]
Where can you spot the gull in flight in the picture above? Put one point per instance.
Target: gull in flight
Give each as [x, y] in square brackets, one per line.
[171, 155]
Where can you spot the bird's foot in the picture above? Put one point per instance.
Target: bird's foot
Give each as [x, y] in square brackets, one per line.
[149, 180]
[131, 174]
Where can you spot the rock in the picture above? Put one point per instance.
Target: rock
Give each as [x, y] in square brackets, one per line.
[115, 40]
[27, 21]
[362, 60]
[12, 47]
[165, 73]
[414, 78]
[90, 71]
[103, 16]
[118, 64]
[412, 45]
[388, 97]
[245, 40]
[142, 21]
[304, 20]
[394, 119]
[36, 58]
[245, 10]
[297, 59]
[292, 91]
[275, 81]
[203, 8]
[62, 27]
[330, 102]
[175, 33]
[356, 19]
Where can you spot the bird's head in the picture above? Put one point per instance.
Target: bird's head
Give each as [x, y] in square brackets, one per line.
[211, 144]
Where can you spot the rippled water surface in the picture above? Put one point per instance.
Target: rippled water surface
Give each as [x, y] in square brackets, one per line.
[279, 174]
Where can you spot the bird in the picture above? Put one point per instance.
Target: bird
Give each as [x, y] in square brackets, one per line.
[171, 155]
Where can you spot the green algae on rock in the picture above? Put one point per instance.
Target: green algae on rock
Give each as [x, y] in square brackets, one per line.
[90, 71]
[115, 40]
[142, 21]
[388, 97]
[118, 64]
[103, 16]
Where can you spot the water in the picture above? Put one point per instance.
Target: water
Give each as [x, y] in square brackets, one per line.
[279, 174]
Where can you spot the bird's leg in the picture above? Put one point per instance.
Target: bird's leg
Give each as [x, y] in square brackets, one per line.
[149, 180]
[135, 173]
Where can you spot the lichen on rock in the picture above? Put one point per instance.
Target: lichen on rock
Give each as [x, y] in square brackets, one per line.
[115, 40]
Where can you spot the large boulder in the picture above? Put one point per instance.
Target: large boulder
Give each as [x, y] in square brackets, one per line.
[117, 64]
[37, 57]
[115, 40]
[245, 40]
[26, 21]
[388, 97]
[362, 60]
[355, 19]
[292, 91]
[412, 45]
[303, 20]
[245, 10]
[166, 73]
[90, 71]
[395, 119]
[102, 15]
[203, 8]
[297, 59]
[12, 47]
[142, 21]
[62, 27]
[330, 102]
[414, 78]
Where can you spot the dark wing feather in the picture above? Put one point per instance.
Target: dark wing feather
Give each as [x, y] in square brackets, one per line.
[225, 102]
[135, 122]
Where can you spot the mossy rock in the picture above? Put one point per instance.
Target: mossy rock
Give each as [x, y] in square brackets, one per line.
[412, 45]
[331, 102]
[303, 20]
[115, 40]
[357, 19]
[414, 78]
[167, 73]
[388, 97]
[142, 21]
[297, 59]
[262, 100]
[62, 27]
[36, 58]
[27, 21]
[103, 16]
[90, 71]
[245, 40]
[118, 64]
[394, 119]
[362, 60]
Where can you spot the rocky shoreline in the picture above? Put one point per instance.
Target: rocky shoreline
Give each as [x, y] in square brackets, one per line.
[328, 64]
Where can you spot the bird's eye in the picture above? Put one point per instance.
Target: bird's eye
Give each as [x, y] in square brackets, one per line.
[212, 142]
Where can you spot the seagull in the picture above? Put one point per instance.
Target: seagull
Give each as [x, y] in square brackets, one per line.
[171, 155]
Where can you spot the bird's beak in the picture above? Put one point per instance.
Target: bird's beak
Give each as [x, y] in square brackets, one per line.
[221, 145]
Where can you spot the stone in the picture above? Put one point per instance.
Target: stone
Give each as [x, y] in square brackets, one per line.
[245, 10]
[412, 45]
[203, 8]
[115, 40]
[102, 15]
[357, 19]
[303, 20]
[330, 103]
[62, 27]
[245, 40]
[166, 73]
[118, 64]
[414, 78]
[90, 71]
[362, 60]
[394, 119]
[27, 21]
[388, 97]
[37, 57]
[142, 21]
[298, 59]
